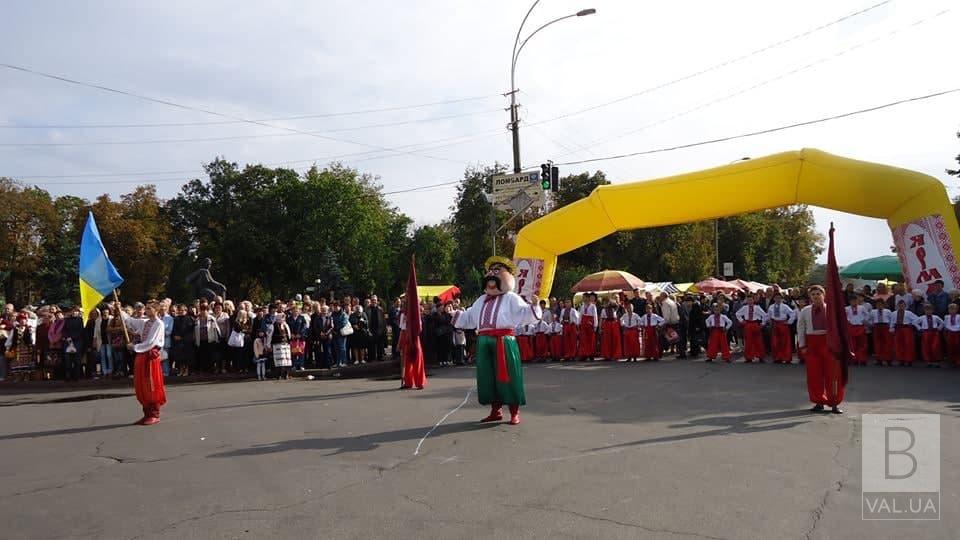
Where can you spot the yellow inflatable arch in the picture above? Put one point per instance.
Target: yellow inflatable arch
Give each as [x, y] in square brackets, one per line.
[916, 207]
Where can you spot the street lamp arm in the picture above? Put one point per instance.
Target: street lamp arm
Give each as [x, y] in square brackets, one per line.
[513, 57]
[535, 33]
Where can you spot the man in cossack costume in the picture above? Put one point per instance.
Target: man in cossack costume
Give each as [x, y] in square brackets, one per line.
[825, 381]
[781, 339]
[858, 317]
[570, 319]
[752, 318]
[147, 369]
[495, 315]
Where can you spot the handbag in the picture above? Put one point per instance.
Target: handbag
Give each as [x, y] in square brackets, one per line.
[672, 336]
[235, 339]
[347, 330]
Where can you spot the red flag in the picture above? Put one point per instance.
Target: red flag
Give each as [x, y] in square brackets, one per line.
[414, 373]
[838, 339]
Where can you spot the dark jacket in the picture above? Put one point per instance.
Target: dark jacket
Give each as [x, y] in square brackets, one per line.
[320, 327]
[73, 331]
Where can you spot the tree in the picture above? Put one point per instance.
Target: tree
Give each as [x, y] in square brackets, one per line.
[331, 278]
[472, 219]
[61, 259]
[434, 247]
[29, 218]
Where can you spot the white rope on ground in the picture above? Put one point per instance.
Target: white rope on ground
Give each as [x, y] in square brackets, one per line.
[435, 426]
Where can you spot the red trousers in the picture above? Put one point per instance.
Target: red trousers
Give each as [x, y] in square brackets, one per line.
[904, 348]
[556, 346]
[824, 374]
[953, 346]
[781, 342]
[148, 383]
[631, 342]
[588, 337]
[931, 346]
[882, 339]
[541, 346]
[610, 341]
[858, 337]
[526, 348]
[651, 342]
[753, 341]
[569, 340]
[718, 344]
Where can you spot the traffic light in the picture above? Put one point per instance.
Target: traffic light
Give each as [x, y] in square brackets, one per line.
[554, 179]
[545, 181]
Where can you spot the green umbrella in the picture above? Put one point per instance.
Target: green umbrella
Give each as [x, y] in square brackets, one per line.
[885, 267]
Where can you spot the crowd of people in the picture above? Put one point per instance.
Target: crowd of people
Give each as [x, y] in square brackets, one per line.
[219, 336]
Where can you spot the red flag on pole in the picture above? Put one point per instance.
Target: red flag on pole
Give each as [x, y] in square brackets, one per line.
[414, 373]
[838, 338]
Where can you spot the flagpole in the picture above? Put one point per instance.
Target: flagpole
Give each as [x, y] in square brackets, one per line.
[116, 298]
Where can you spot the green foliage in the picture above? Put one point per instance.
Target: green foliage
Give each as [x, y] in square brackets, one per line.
[472, 219]
[434, 248]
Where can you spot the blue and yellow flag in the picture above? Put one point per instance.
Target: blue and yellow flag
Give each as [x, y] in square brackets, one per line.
[98, 276]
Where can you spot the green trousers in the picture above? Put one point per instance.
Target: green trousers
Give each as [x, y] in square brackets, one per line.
[489, 390]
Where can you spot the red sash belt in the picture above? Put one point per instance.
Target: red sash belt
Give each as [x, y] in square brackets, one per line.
[502, 375]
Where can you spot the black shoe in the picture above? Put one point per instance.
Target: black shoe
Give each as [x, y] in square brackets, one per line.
[836, 410]
[817, 408]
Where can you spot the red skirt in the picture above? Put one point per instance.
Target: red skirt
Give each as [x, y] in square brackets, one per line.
[781, 342]
[610, 339]
[881, 343]
[541, 346]
[569, 340]
[148, 379]
[753, 341]
[526, 348]
[931, 347]
[903, 344]
[556, 346]
[718, 344]
[588, 337]
[631, 342]
[651, 342]
[858, 337]
[953, 346]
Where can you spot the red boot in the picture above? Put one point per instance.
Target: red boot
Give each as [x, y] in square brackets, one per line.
[514, 415]
[495, 413]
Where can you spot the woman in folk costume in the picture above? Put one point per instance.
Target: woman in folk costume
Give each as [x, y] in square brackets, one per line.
[882, 338]
[495, 315]
[781, 336]
[650, 322]
[951, 331]
[20, 357]
[280, 343]
[588, 327]
[901, 324]
[752, 318]
[929, 326]
[556, 339]
[718, 325]
[857, 318]
[610, 339]
[630, 323]
[570, 319]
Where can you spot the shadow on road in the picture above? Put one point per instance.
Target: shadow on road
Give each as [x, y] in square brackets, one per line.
[726, 425]
[55, 432]
[355, 443]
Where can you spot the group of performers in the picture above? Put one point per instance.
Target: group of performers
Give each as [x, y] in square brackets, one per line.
[571, 334]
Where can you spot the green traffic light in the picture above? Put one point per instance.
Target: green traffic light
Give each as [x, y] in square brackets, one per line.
[545, 184]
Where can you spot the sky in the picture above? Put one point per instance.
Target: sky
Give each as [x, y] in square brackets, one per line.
[442, 67]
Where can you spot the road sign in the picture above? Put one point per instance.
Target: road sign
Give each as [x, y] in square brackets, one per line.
[513, 192]
[728, 269]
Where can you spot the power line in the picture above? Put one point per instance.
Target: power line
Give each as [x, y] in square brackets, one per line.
[765, 131]
[227, 122]
[207, 111]
[765, 82]
[721, 64]
[244, 137]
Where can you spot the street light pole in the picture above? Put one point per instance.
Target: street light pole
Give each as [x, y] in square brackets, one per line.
[517, 47]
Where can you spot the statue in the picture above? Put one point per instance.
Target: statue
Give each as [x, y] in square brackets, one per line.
[204, 285]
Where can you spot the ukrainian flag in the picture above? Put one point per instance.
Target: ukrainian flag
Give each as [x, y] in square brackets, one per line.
[98, 276]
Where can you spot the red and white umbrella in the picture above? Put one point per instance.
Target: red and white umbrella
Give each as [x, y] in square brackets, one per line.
[713, 285]
[608, 280]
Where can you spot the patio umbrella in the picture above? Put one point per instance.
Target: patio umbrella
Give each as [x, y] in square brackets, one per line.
[608, 280]
[713, 285]
[884, 267]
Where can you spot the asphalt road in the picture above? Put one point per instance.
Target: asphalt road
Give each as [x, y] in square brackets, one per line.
[670, 450]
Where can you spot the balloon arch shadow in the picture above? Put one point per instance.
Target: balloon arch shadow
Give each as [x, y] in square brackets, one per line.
[912, 203]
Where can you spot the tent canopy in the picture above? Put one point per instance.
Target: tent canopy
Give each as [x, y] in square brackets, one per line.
[608, 280]
[883, 267]
[444, 292]
[710, 285]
